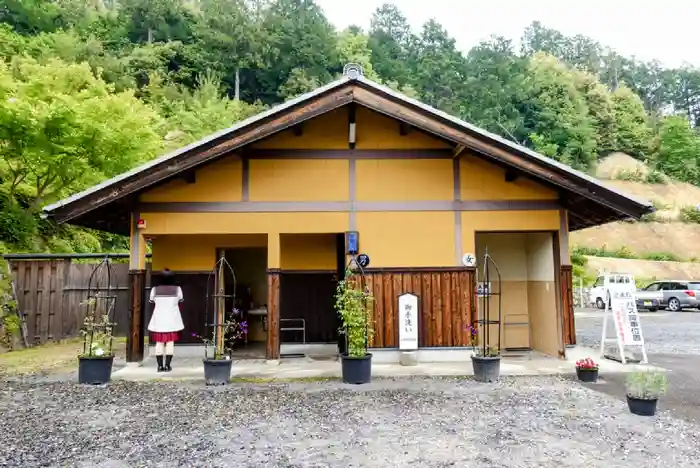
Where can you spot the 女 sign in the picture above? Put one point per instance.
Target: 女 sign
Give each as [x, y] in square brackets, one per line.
[408, 322]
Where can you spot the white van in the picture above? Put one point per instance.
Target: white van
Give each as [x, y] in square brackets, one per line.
[598, 296]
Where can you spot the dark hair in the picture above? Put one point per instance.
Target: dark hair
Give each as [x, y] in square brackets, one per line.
[167, 278]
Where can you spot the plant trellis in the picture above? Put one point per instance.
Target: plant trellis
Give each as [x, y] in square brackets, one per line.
[101, 301]
[352, 269]
[486, 319]
[215, 304]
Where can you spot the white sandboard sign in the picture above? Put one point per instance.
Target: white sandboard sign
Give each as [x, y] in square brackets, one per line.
[621, 304]
[408, 322]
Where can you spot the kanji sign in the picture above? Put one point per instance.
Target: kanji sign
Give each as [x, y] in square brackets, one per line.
[408, 322]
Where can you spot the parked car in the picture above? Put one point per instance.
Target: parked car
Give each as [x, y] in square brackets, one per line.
[675, 294]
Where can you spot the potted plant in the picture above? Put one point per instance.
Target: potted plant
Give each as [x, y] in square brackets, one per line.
[587, 370]
[643, 391]
[95, 362]
[217, 364]
[351, 302]
[486, 359]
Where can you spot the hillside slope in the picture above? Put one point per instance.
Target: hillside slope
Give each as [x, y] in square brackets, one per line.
[677, 238]
[667, 234]
[645, 268]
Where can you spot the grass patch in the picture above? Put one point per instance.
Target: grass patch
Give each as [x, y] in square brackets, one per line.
[624, 252]
[54, 357]
[264, 380]
[651, 177]
[690, 214]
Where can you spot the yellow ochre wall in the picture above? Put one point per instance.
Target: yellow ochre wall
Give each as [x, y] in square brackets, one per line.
[197, 252]
[299, 180]
[308, 252]
[330, 131]
[221, 181]
[404, 179]
[393, 239]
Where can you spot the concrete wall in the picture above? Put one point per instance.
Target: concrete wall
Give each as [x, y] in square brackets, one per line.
[542, 293]
[528, 289]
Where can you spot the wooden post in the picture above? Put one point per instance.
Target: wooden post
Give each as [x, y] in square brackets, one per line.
[272, 350]
[567, 304]
[134, 341]
[137, 281]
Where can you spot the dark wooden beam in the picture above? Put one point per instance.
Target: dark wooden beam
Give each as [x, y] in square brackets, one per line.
[189, 177]
[352, 128]
[511, 175]
[404, 128]
[298, 130]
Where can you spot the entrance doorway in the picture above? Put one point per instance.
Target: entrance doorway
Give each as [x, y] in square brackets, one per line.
[526, 261]
[308, 283]
[247, 299]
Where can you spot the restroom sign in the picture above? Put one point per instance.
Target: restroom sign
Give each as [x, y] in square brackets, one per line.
[469, 260]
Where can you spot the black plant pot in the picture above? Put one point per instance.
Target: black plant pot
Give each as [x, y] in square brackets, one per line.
[95, 370]
[217, 371]
[587, 375]
[486, 368]
[357, 370]
[642, 407]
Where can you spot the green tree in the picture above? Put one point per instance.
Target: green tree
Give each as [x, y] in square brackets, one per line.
[556, 114]
[439, 68]
[679, 149]
[390, 40]
[62, 129]
[633, 135]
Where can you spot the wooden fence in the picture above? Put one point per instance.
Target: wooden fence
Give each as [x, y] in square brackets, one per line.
[51, 292]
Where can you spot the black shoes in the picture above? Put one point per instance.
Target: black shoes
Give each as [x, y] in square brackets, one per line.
[159, 360]
[168, 359]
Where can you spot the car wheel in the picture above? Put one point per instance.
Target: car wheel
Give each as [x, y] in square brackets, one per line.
[674, 305]
[599, 303]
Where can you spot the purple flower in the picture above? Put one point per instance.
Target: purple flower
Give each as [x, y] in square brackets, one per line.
[194, 334]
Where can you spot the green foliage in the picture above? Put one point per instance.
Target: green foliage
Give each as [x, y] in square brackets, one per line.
[679, 149]
[353, 305]
[90, 89]
[624, 252]
[690, 214]
[97, 334]
[646, 385]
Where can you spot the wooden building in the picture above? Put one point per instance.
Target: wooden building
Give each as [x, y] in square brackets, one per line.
[276, 194]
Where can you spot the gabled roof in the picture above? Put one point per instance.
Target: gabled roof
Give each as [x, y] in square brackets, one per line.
[589, 201]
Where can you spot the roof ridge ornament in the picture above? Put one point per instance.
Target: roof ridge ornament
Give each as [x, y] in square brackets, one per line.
[353, 70]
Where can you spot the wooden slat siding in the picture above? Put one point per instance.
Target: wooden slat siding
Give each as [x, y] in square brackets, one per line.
[567, 303]
[43, 296]
[445, 300]
[51, 294]
[273, 314]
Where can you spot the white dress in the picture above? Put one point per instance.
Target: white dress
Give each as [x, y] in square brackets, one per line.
[166, 314]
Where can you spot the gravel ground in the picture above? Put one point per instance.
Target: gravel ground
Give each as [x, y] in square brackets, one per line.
[664, 332]
[527, 422]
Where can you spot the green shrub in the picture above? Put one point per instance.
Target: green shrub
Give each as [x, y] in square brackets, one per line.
[690, 214]
[624, 252]
[630, 176]
[655, 177]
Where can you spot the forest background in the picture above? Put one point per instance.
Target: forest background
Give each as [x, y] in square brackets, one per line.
[89, 89]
